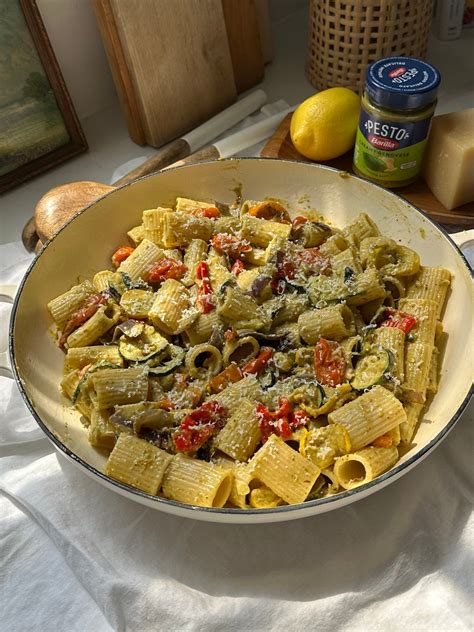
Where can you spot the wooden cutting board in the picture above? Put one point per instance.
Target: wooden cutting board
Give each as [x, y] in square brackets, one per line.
[418, 193]
[243, 34]
[171, 63]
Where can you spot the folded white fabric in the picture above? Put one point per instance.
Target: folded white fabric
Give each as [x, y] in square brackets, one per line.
[76, 556]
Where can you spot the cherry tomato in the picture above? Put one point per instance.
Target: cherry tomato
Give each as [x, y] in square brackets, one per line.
[329, 362]
[299, 219]
[258, 364]
[166, 403]
[88, 309]
[270, 210]
[238, 267]
[205, 299]
[197, 427]
[283, 422]
[232, 246]
[229, 375]
[166, 269]
[314, 260]
[121, 254]
[384, 441]
[399, 320]
[211, 212]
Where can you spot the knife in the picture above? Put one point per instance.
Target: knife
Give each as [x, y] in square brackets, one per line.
[59, 204]
[234, 143]
[199, 137]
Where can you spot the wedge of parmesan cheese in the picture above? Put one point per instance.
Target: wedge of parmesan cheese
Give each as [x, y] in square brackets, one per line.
[448, 166]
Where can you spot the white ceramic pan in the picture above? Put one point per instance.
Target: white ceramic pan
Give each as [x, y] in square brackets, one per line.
[85, 245]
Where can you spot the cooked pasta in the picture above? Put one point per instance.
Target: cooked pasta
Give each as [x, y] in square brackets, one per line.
[234, 357]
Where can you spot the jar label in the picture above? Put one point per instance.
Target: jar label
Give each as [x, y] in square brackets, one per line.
[390, 151]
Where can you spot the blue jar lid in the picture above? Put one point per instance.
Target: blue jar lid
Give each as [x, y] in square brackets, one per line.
[402, 83]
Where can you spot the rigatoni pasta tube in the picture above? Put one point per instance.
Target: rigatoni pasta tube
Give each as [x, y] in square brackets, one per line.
[241, 434]
[348, 258]
[171, 300]
[201, 329]
[361, 228]
[197, 482]
[141, 259]
[369, 416]
[261, 231]
[153, 222]
[218, 271]
[417, 370]
[78, 357]
[432, 385]
[232, 396]
[263, 498]
[111, 387]
[203, 360]
[180, 228]
[367, 287]
[137, 463]
[136, 234]
[333, 323]
[240, 350]
[226, 225]
[290, 308]
[393, 339]
[358, 468]
[432, 284]
[241, 479]
[334, 245]
[95, 327]
[425, 311]
[407, 428]
[63, 306]
[188, 205]
[195, 252]
[102, 433]
[288, 474]
[238, 306]
[82, 401]
[137, 303]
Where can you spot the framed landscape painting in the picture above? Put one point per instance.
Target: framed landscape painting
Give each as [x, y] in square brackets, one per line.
[38, 125]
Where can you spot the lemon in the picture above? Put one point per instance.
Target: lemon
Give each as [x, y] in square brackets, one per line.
[324, 126]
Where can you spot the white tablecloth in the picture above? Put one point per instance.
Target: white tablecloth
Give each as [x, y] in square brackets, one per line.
[78, 557]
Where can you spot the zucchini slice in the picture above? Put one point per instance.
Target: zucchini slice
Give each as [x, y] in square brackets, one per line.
[334, 396]
[167, 361]
[372, 368]
[141, 347]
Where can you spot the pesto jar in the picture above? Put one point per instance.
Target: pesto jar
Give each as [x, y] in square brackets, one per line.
[396, 109]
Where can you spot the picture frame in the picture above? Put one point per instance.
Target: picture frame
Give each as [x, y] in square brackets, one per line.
[39, 127]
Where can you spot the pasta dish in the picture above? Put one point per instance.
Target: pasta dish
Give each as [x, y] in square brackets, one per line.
[237, 356]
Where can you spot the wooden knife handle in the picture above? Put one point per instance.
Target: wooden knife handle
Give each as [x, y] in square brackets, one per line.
[171, 153]
[206, 153]
[58, 205]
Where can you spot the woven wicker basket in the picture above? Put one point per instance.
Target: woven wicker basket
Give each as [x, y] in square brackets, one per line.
[347, 35]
